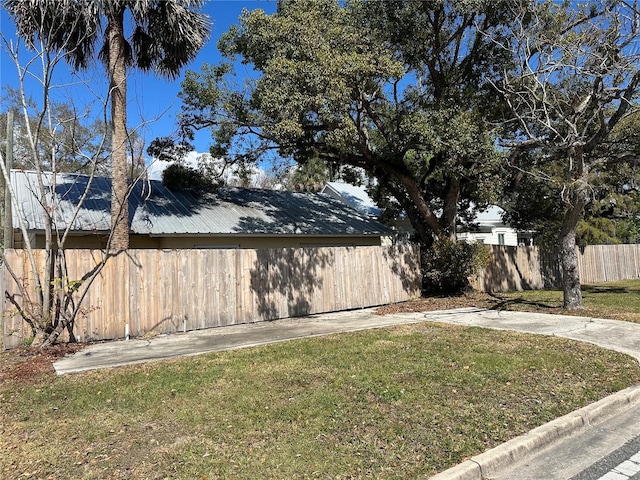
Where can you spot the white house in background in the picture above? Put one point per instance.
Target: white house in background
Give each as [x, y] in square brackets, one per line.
[491, 229]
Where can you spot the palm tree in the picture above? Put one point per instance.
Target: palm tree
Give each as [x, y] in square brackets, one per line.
[167, 34]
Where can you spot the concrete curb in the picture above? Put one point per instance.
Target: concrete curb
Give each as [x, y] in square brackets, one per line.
[515, 450]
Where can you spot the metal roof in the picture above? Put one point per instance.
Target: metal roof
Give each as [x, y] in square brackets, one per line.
[359, 199]
[155, 210]
[353, 195]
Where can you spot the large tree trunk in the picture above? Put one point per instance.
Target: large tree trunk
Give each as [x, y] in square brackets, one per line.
[575, 201]
[569, 265]
[422, 219]
[118, 90]
[450, 208]
[414, 194]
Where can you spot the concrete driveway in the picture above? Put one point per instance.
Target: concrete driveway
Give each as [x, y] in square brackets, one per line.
[616, 335]
[161, 347]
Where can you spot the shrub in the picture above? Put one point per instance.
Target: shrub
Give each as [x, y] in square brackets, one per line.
[448, 264]
[183, 177]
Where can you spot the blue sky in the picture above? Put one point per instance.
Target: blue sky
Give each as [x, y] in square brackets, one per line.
[148, 95]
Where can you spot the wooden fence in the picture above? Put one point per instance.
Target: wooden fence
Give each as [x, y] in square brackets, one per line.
[164, 291]
[526, 268]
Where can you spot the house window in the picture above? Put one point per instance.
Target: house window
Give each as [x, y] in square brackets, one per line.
[501, 239]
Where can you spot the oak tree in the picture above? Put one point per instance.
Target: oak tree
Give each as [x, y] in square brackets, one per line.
[398, 89]
[575, 78]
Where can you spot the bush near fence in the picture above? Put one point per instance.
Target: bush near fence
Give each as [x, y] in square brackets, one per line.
[530, 268]
[166, 291]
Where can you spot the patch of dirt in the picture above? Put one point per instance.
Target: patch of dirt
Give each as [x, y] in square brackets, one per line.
[23, 364]
[428, 304]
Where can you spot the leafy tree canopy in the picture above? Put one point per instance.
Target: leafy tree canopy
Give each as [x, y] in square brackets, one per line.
[397, 89]
[575, 79]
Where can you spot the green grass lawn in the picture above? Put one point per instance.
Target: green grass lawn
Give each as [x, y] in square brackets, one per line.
[394, 403]
[615, 300]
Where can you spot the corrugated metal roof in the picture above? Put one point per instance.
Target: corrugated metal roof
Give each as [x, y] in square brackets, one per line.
[157, 211]
[355, 196]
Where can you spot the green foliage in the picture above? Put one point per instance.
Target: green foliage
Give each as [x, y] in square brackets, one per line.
[397, 89]
[311, 176]
[166, 150]
[448, 264]
[66, 284]
[183, 177]
[608, 231]
[599, 231]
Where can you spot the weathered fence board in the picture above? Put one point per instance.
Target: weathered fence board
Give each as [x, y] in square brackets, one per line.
[525, 268]
[162, 291]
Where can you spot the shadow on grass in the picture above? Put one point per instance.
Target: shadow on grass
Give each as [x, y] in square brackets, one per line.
[503, 303]
[607, 289]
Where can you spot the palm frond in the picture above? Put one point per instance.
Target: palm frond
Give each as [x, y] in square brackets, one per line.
[168, 34]
[72, 26]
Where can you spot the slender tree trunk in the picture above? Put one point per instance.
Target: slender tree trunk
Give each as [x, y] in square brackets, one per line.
[7, 238]
[118, 90]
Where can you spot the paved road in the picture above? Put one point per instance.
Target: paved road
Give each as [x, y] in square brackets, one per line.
[161, 347]
[621, 464]
[587, 436]
[592, 453]
[564, 448]
[620, 336]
